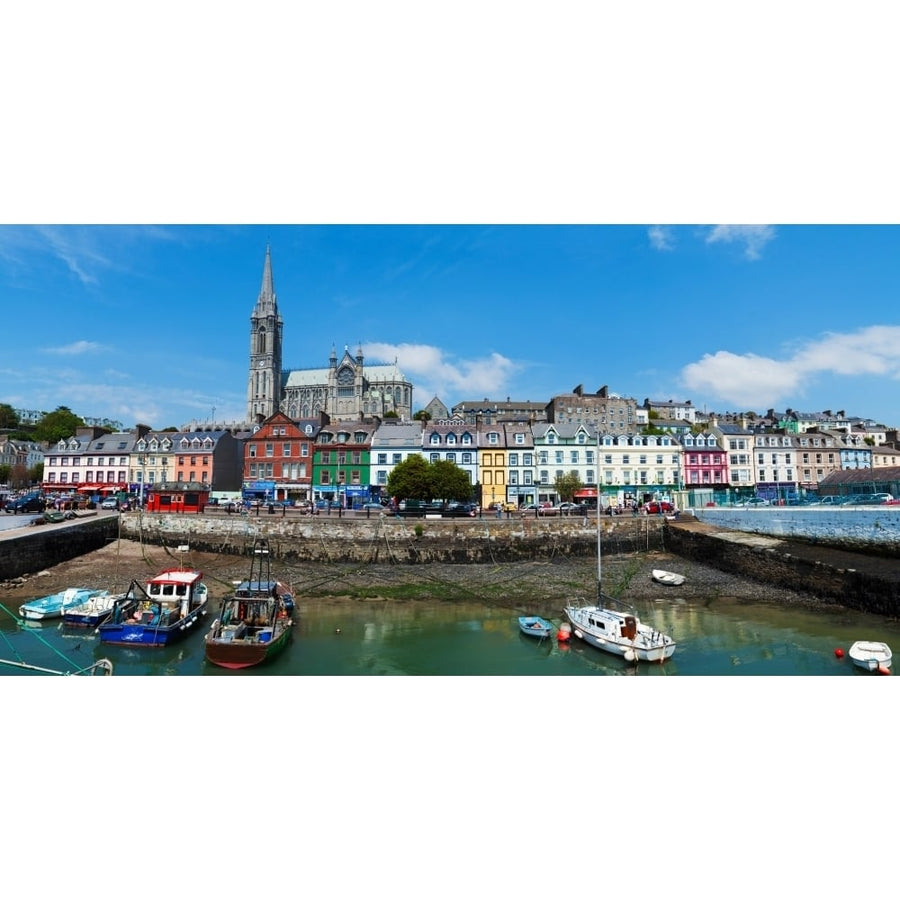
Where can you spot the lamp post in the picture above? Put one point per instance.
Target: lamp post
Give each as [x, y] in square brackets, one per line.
[142, 461]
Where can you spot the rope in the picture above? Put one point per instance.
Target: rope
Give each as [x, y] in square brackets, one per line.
[47, 644]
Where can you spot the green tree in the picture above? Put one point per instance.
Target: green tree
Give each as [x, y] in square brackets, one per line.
[422, 415]
[5, 471]
[61, 423]
[36, 473]
[417, 479]
[449, 481]
[409, 479]
[566, 484]
[8, 417]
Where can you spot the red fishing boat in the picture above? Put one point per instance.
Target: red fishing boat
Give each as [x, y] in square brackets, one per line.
[254, 624]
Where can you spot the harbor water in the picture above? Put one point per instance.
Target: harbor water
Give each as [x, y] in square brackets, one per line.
[718, 637]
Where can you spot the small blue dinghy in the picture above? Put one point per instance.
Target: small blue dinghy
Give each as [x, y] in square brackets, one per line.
[535, 626]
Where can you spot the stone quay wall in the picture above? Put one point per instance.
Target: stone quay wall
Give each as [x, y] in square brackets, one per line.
[30, 550]
[868, 581]
[391, 540]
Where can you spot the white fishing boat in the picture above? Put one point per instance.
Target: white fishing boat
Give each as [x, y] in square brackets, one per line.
[613, 626]
[871, 655]
[661, 576]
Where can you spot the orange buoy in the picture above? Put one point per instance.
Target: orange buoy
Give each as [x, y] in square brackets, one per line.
[838, 653]
[562, 635]
[883, 670]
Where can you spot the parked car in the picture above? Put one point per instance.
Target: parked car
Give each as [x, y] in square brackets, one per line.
[571, 509]
[547, 509]
[529, 509]
[374, 507]
[756, 501]
[109, 503]
[458, 509]
[32, 502]
[657, 506]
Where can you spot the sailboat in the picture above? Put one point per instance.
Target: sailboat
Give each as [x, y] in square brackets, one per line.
[614, 626]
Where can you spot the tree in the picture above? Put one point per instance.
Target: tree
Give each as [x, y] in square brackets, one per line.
[449, 481]
[8, 417]
[5, 470]
[61, 423]
[36, 473]
[566, 484]
[422, 415]
[417, 479]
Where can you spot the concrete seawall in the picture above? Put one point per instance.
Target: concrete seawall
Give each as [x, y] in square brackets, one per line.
[867, 529]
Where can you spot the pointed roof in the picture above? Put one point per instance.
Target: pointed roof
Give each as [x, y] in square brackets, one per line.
[267, 304]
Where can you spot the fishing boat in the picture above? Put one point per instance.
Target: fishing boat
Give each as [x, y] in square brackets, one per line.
[535, 626]
[871, 655]
[672, 579]
[53, 605]
[159, 613]
[96, 610]
[254, 624]
[614, 626]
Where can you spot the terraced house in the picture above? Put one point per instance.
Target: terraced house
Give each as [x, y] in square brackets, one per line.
[341, 462]
[561, 448]
[452, 440]
[392, 443]
[278, 460]
[635, 468]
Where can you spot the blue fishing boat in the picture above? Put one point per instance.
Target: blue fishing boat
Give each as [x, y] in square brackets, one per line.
[162, 612]
[535, 626]
[53, 605]
[96, 609]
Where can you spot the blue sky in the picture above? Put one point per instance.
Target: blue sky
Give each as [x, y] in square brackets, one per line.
[115, 321]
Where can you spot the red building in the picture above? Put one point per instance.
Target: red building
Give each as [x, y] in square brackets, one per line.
[177, 498]
[278, 460]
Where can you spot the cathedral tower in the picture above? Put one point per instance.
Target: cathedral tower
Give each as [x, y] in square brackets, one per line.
[266, 327]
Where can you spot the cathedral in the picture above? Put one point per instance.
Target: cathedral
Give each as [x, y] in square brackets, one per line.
[347, 390]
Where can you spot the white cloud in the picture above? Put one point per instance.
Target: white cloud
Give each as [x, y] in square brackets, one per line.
[758, 382]
[753, 237]
[661, 237]
[76, 349]
[434, 373]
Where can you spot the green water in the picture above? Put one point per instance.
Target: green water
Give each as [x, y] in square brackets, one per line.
[720, 637]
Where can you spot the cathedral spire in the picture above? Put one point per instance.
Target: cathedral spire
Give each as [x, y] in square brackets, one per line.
[267, 304]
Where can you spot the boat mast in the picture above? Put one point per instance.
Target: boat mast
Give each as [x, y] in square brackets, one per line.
[599, 579]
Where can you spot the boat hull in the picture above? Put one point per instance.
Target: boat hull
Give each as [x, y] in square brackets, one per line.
[243, 654]
[535, 626]
[646, 645]
[130, 634]
[671, 579]
[870, 655]
[55, 605]
[90, 614]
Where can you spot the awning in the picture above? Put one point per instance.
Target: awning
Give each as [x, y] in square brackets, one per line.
[586, 492]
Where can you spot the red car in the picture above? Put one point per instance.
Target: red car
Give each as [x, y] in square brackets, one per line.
[656, 506]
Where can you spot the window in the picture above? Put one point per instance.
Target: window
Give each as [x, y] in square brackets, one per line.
[285, 449]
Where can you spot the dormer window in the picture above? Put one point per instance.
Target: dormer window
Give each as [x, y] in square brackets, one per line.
[435, 438]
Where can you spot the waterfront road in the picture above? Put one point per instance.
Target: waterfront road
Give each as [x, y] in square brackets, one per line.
[10, 523]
